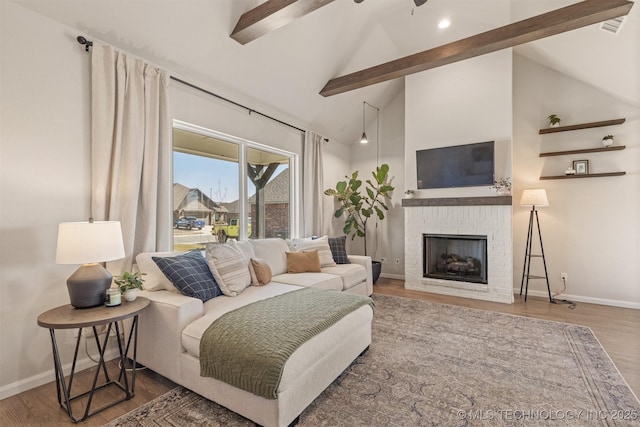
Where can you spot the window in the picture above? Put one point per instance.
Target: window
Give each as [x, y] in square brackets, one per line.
[229, 188]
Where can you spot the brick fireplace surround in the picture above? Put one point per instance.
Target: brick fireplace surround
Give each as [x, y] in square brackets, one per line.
[489, 216]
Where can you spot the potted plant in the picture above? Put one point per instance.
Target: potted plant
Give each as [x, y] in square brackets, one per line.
[360, 204]
[607, 140]
[129, 284]
[554, 120]
[502, 186]
[410, 194]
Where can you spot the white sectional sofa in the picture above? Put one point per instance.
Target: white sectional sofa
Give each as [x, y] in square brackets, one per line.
[171, 327]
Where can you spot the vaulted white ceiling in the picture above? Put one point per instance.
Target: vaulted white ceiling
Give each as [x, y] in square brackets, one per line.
[285, 70]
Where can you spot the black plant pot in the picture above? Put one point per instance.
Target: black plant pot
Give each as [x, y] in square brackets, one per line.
[376, 269]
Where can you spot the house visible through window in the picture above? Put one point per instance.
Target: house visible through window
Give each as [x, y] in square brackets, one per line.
[210, 174]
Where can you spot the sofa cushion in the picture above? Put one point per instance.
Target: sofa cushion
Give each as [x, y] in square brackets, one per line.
[315, 280]
[229, 267]
[303, 262]
[190, 274]
[273, 252]
[350, 274]
[261, 271]
[321, 244]
[338, 246]
[154, 279]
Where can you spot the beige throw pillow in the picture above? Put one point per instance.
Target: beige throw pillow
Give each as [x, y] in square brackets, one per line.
[303, 262]
[320, 244]
[230, 268]
[261, 271]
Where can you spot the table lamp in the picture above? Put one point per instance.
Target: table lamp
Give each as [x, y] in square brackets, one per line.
[89, 243]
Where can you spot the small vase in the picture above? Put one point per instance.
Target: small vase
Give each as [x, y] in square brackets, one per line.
[555, 125]
[607, 142]
[130, 294]
[504, 192]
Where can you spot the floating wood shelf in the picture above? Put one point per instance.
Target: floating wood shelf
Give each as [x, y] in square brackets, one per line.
[583, 126]
[582, 151]
[587, 175]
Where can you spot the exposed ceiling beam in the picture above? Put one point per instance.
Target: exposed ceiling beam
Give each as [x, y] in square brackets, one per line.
[270, 16]
[548, 24]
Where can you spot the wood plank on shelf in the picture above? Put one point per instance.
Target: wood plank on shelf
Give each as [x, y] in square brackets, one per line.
[583, 151]
[586, 175]
[582, 126]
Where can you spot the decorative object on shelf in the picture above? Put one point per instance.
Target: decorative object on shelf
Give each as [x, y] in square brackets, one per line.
[113, 297]
[89, 243]
[570, 171]
[409, 194]
[581, 167]
[607, 141]
[502, 186]
[358, 207]
[129, 284]
[554, 121]
[535, 197]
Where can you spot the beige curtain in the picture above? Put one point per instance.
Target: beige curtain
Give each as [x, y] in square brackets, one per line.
[131, 151]
[313, 197]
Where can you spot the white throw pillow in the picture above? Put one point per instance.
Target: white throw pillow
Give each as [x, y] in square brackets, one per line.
[230, 268]
[154, 278]
[321, 244]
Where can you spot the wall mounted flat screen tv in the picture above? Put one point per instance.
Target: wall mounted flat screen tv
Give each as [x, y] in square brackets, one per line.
[458, 166]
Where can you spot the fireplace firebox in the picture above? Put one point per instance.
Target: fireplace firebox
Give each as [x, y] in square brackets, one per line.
[455, 257]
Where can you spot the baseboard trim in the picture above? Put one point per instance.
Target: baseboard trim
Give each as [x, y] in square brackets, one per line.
[392, 276]
[578, 298]
[50, 375]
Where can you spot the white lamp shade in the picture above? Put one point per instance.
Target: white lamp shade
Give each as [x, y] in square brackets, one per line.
[534, 197]
[89, 242]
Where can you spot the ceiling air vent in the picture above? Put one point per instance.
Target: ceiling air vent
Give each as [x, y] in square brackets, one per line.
[613, 25]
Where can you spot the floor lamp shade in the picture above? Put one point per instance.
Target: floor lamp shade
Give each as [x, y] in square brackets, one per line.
[89, 243]
[534, 197]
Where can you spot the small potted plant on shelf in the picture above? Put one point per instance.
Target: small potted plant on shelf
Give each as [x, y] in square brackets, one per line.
[554, 121]
[502, 186]
[129, 284]
[409, 194]
[607, 140]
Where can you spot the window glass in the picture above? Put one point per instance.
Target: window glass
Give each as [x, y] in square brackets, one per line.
[269, 193]
[205, 188]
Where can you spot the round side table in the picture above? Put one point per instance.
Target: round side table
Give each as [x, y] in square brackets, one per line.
[69, 317]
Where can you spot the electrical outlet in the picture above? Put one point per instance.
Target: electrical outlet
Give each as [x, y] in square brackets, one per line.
[397, 260]
[383, 260]
[563, 276]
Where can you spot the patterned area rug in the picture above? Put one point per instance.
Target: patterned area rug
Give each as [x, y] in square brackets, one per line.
[441, 365]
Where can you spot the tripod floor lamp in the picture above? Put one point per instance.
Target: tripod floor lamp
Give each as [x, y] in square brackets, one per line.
[535, 198]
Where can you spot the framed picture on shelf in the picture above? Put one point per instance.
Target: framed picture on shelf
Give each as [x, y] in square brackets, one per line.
[581, 167]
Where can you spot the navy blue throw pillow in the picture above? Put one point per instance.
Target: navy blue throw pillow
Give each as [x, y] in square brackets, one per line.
[190, 274]
[338, 246]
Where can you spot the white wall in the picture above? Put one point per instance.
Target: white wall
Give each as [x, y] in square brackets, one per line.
[591, 229]
[44, 178]
[461, 103]
[384, 239]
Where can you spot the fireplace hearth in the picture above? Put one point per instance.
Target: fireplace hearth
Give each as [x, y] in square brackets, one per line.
[455, 257]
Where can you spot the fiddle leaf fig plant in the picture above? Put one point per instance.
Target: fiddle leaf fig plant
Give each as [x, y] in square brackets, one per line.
[359, 207]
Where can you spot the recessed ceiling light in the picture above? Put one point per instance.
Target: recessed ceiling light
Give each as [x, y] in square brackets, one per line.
[444, 23]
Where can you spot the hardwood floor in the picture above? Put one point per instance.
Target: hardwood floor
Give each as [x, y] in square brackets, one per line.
[618, 330]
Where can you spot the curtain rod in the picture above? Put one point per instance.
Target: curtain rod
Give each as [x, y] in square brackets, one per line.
[88, 44]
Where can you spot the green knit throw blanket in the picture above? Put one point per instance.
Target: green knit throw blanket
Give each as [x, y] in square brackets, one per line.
[248, 347]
